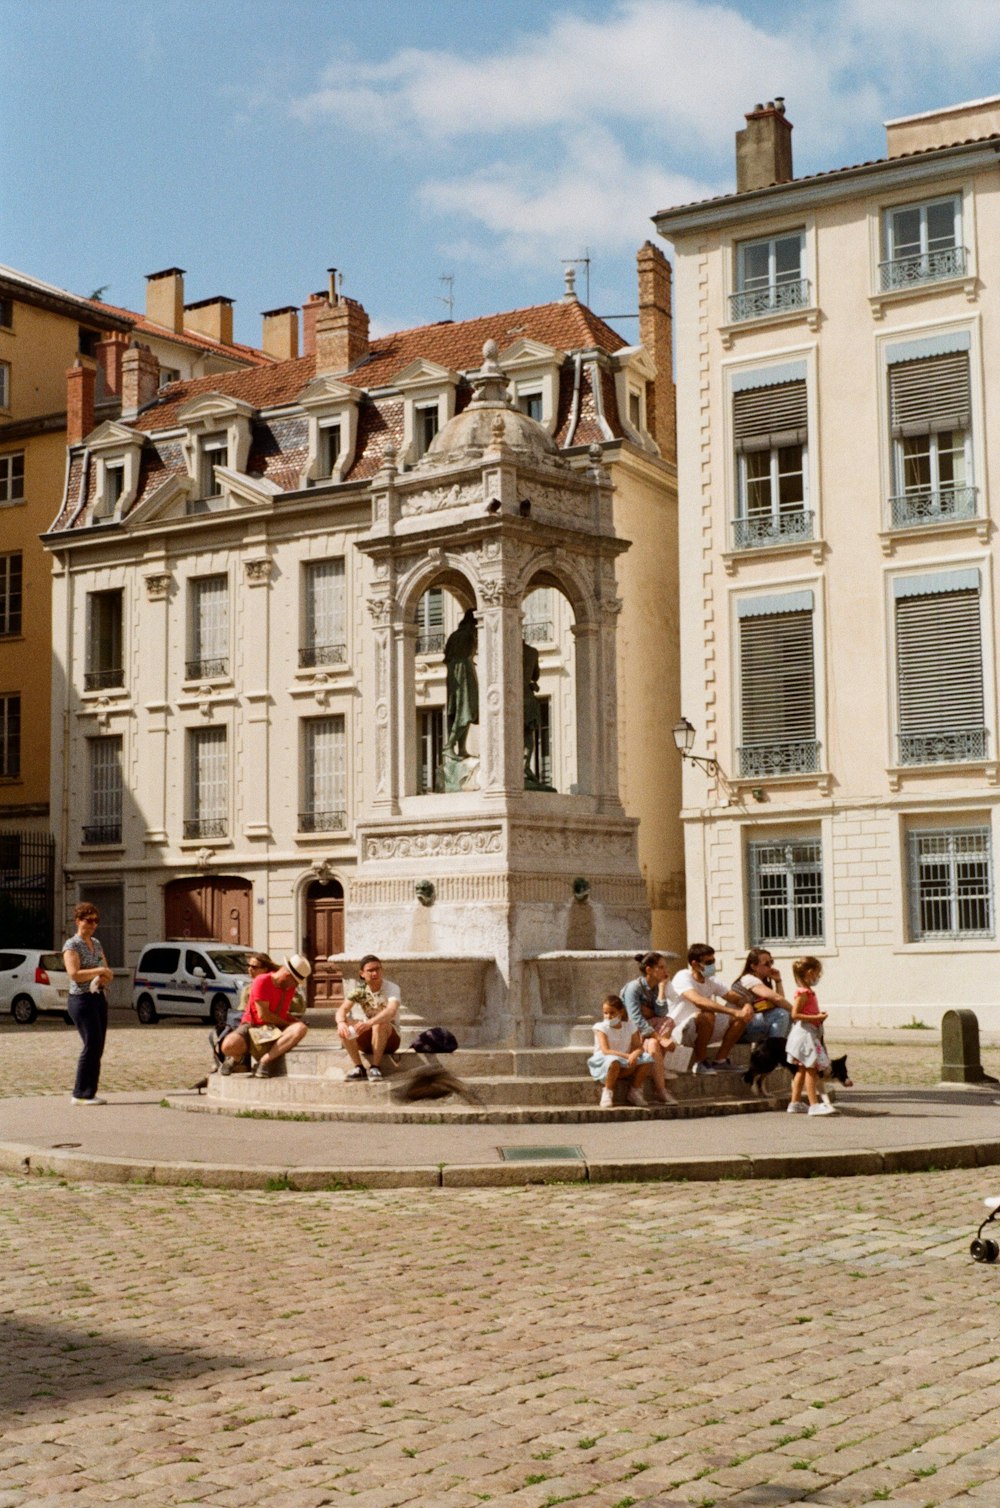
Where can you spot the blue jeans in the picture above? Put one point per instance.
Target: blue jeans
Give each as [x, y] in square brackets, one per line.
[90, 1017]
[774, 1022]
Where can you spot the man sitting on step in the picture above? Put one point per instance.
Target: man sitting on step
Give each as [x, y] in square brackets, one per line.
[269, 1011]
[366, 1020]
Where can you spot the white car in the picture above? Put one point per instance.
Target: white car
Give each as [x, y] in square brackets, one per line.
[32, 981]
[189, 977]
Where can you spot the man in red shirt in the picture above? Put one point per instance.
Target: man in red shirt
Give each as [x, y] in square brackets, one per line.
[270, 1004]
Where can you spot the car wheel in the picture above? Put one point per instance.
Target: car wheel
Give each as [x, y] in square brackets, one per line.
[220, 1013]
[146, 1010]
[24, 1010]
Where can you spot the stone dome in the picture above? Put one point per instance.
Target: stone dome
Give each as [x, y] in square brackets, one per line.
[489, 420]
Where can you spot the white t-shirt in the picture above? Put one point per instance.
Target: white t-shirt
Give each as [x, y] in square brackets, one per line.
[682, 1010]
[619, 1035]
[361, 1011]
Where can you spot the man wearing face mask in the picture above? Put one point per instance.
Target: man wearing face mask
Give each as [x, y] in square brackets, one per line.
[699, 1001]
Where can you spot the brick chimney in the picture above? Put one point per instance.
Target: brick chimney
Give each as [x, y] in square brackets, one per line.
[140, 379]
[310, 313]
[212, 317]
[341, 335]
[165, 298]
[80, 382]
[281, 332]
[110, 354]
[764, 148]
[656, 334]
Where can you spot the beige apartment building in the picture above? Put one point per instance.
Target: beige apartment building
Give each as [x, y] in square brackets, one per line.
[214, 613]
[838, 341]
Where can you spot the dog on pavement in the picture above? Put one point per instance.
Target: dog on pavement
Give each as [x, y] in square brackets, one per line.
[768, 1055]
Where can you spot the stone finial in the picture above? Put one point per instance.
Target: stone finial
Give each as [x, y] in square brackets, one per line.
[489, 383]
[497, 429]
[569, 278]
[388, 463]
[491, 355]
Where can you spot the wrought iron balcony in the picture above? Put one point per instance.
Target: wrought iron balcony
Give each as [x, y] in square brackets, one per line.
[102, 832]
[777, 299]
[926, 267]
[311, 655]
[932, 506]
[755, 532]
[942, 748]
[99, 680]
[204, 827]
[431, 643]
[539, 631]
[199, 670]
[798, 756]
[322, 822]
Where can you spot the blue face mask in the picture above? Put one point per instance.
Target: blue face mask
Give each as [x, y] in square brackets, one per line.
[708, 969]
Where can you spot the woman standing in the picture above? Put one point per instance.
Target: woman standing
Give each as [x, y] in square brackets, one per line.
[89, 976]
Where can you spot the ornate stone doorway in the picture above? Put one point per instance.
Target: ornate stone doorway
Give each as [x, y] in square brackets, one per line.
[325, 935]
[209, 906]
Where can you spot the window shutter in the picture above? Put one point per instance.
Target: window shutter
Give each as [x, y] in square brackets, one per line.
[939, 661]
[209, 784]
[778, 680]
[767, 416]
[325, 611]
[212, 619]
[929, 395]
[326, 768]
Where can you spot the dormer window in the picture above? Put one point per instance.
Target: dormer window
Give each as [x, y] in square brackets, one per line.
[168, 375]
[634, 369]
[214, 452]
[331, 447]
[114, 486]
[426, 426]
[531, 402]
[116, 456]
[332, 410]
[635, 408]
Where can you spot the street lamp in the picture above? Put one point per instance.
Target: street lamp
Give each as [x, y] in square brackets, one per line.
[684, 735]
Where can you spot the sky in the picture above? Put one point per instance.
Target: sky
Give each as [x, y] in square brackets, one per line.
[257, 143]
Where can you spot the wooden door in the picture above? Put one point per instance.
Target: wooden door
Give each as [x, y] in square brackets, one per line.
[325, 935]
[216, 906]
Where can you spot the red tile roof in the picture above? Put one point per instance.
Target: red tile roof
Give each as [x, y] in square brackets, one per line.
[567, 325]
[233, 349]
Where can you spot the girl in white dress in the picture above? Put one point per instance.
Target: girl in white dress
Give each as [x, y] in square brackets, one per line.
[805, 1050]
[618, 1055]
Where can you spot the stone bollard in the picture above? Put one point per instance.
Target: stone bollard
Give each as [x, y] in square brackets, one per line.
[960, 1060]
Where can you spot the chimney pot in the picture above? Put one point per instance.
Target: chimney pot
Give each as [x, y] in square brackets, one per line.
[110, 352]
[341, 335]
[281, 332]
[764, 148]
[656, 336]
[212, 317]
[140, 380]
[165, 298]
[80, 382]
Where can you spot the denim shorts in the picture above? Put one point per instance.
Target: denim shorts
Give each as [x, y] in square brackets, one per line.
[774, 1022]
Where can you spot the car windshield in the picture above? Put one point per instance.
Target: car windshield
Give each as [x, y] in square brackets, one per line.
[231, 963]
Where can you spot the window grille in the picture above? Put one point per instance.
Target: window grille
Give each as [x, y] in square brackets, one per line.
[430, 622]
[430, 734]
[104, 641]
[105, 825]
[208, 791]
[951, 883]
[922, 244]
[325, 804]
[778, 696]
[769, 277]
[786, 892]
[325, 614]
[10, 737]
[939, 675]
[10, 594]
[209, 627]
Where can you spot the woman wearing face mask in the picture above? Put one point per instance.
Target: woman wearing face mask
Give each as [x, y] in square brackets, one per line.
[703, 1002]
[648, 1005]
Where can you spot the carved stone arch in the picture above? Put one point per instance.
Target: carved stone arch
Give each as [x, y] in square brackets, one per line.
[567, 576]
[438, 569]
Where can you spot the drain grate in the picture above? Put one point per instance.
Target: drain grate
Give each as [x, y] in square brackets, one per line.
[541, 1154]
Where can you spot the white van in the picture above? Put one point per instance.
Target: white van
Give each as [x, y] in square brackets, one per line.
[189, 977]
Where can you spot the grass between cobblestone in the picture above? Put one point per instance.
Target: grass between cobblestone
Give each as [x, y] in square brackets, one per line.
[826, 1342]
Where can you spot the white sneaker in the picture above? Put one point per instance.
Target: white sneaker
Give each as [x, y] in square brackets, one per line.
[607, 1099]
[95, 1101]
[637, 1098]
[796, 1107]
[821, 1109]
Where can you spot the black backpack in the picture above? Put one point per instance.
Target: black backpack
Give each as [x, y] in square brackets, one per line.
[435, 1039]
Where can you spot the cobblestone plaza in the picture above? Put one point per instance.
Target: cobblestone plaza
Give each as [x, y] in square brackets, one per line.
[825, 1341]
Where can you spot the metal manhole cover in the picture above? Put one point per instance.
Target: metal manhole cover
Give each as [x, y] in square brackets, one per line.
[541, 1154]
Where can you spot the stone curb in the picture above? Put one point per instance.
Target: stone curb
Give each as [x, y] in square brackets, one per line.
[24, 1160]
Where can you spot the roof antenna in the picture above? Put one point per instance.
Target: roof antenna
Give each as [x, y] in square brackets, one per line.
[448, 298]
[583, 262]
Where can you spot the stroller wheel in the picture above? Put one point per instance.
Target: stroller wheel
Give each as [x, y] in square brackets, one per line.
[983, 1250]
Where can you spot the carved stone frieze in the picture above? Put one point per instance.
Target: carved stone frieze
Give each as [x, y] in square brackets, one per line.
[380, 609]
[432, 845]
[158, 585]
[433, 499]
[499, 592]
[258, 570]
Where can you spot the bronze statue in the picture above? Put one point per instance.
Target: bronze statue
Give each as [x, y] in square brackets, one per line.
[463, 684]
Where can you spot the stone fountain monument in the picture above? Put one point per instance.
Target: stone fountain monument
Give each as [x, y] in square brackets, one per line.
[503, 908]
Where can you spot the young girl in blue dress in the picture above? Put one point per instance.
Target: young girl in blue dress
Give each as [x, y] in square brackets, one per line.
[618, 1055]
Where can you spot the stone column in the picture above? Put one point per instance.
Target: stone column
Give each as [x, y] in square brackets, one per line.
[501, 709]
[380, 725]
[250, 775]
[152, 679]
[405, 653]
